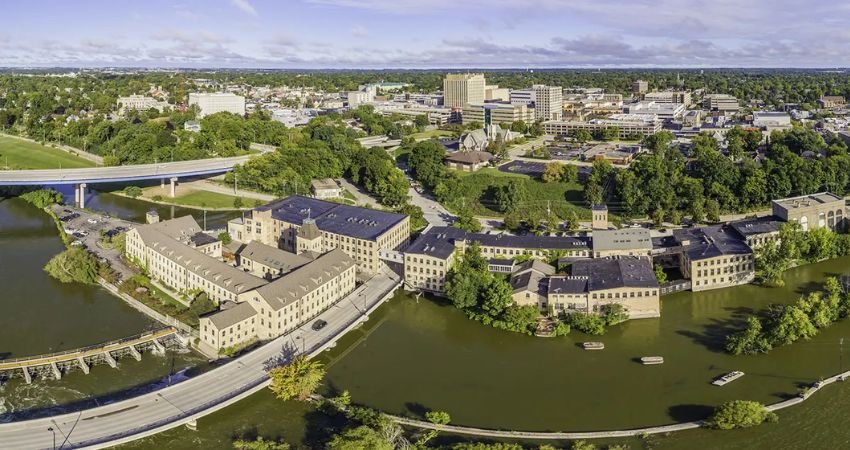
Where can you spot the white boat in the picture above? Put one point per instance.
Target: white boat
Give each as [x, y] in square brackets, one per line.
[593, 346]
[648, 360]
[728, 378]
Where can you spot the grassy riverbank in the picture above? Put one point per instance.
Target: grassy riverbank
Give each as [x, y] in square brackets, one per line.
[20, 154]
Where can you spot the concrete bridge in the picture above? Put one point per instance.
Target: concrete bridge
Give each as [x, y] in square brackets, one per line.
[56, 364]
[81, 178]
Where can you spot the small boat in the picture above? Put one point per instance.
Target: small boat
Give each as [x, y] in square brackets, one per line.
[648, 360]
[593, 346]
[728, 378]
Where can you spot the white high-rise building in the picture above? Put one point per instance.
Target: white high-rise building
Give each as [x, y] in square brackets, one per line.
[547, 101]
[211, 103]
[460, 89]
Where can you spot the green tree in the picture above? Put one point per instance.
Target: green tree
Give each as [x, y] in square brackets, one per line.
[580, 135]
[438, 417]
[749, 341]
[359, 438]
[771, 263]
[296, 380]
[553, 172]
[237, 202]
[132, 191]
[791, 325]
[740, 414]
[467, 222]
[511, 195]
[74, 265]
[259, 444]
[660, 275]
[582, 445]
[225, 238]
[497, 296]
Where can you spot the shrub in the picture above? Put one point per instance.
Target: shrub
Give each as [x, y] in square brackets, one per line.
[740, 414]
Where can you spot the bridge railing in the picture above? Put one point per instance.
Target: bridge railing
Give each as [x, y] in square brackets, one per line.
[88, 348]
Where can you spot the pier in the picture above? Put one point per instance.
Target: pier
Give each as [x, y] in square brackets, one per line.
[54, 365]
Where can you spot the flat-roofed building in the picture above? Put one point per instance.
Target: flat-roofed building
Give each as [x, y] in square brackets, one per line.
[593, 283]
[772, 120]
[139, 103]
[546, 101]
[299, 296]
[679, 97]
[756, 232]
[720, 102]
[215, 102]
[496, 113]
[622, 242]
[714, 257]
[664, 111]
[629, 125]
[360, 232]
[325, 188]
[812, 211]
[639, 87]
[462, 88]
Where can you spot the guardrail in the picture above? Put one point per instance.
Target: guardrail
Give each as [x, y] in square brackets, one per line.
[141, 336]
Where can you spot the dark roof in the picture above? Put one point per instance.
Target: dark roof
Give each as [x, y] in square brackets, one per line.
[530, 281]
[439, 241]
[761, 225]
[711, 242]
[469, 157]
[612, 273]
[353, 221]
[201, 239]
[601, 207]
[568, 285]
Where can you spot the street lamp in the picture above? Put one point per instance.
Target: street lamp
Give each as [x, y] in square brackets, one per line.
[50, 429]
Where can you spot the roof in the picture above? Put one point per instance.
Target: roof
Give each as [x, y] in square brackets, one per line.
[221, 274]
[179, 228]
[469, 157]
[296, 284]
[309, 230]
[272, 257]
[352, 221]
[229, 317]
[599, 207]
[530, 280]
[807, 200]
[568, 285]
[201, 239]
[534, 265]
[623, 239]
[761, 225]
[711, 242]
[439, 242]
[613, 273]
[324, 183]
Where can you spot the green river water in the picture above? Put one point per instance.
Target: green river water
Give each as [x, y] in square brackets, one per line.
[414, 356]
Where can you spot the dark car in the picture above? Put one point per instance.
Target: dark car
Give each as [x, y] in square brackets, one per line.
[319, 324]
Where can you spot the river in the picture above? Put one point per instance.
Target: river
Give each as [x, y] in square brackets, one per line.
[417, 355]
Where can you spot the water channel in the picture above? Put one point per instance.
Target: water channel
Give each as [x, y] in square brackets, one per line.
[417, 355]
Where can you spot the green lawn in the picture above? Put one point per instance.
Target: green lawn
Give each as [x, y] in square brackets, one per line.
[431, 134]
[18, 154]
[206, 199]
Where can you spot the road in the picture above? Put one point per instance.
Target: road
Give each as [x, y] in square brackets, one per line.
[181, 403]
[120, 173]
[360, 197]
[433, 211]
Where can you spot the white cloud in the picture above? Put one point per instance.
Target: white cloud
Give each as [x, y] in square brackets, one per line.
[244, 6]
[359, 31]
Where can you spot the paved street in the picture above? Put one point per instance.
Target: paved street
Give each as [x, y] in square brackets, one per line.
[361, 197]
[175, 405]
[434, 212]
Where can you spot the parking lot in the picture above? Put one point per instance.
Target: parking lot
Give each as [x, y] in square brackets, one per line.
[85, 228]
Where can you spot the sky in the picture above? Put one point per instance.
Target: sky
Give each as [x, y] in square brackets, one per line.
[387, 34]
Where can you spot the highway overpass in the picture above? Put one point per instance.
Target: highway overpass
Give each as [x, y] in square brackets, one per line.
[171, 171]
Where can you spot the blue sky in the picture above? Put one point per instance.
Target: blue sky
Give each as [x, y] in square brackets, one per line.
[426, 33]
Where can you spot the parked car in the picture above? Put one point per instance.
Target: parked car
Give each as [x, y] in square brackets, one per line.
[318, 325]
[92, 221]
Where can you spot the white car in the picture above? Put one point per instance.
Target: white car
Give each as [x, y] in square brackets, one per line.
[92, 221]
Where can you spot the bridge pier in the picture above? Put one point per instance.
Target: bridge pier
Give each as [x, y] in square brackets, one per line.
[110, 360]
[80, 195]
[173, 186]
[27, 376]
[56, 372]
[83, 365]
[158, 348]
[162, 183]
[135, 352]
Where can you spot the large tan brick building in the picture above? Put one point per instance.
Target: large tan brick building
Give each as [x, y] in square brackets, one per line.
[714, 257]
[360, 232]
[813, 211]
